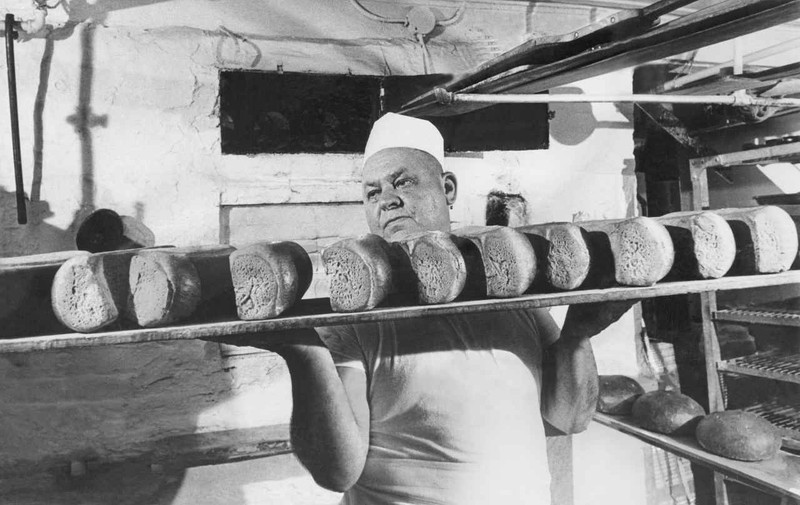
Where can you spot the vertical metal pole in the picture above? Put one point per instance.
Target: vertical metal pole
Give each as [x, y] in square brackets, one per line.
[22, 215]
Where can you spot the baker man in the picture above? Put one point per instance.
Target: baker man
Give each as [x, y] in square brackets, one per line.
[437, 410]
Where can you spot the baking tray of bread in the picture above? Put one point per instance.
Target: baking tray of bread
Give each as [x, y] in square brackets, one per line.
[76, 299]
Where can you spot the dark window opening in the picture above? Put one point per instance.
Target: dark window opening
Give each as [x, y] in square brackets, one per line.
[271, 112]
[295, 113]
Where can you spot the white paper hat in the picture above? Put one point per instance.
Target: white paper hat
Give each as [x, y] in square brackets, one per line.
[395, 130]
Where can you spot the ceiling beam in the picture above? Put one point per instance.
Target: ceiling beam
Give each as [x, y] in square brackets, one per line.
[718, 23]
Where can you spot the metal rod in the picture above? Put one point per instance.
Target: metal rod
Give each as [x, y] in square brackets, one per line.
[747, 58]
[22, 215]
[741, 100]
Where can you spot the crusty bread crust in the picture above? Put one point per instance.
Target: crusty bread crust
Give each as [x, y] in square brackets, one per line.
[617, 393]
[360, 273]
[269, 278]
[165, 288]
[704, 244]
[562, 254]
[766, 239]
[90, 292]
[667, 412]
[739, 435]
[438, 264]
[638, 251]
[507, 256]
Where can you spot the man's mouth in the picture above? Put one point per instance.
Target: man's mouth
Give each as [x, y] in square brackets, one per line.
[394, 220]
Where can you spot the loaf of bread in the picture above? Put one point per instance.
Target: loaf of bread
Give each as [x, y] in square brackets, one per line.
[269, 278]
[91, 292]
[562, 252]
[617, 394]
[25, 304]
[105, 230]
[100, 231]
[165, 288]
[168, 286]
[735, 434]
[631, 252]
[360, 273]
[440, 262]
[508, 258]
[667, 412]
[766, 239]
[704, 244]
[212, 263]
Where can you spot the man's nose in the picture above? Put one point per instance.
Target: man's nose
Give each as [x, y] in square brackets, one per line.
[390, 200]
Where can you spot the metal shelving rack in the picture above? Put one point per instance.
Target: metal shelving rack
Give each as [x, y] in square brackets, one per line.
[759, 316]
[785, 417]
[766, 365]
[785, 368]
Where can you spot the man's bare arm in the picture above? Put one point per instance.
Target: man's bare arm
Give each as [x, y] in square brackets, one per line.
[569, 370]
[569, 378]
[330, 416]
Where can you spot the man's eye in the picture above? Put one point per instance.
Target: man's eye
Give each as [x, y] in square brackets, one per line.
[403, 182]
[372, 194]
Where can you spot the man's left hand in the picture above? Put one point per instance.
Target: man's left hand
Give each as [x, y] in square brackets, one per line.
[586, 320]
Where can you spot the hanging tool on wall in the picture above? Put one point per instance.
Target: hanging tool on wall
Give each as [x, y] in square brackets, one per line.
[22, 215]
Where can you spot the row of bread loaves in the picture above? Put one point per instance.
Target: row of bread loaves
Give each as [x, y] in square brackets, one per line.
[733, 434]
[161, 286]
[496, 261]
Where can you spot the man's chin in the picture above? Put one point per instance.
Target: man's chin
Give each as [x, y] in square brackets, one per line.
[401, 229]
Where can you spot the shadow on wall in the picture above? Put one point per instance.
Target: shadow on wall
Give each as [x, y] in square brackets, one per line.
[573, 123]
[35, 237]
[38, 236]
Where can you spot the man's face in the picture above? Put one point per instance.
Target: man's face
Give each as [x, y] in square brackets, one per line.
[405, 191]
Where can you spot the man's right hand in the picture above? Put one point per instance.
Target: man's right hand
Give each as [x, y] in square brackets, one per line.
[587, 320]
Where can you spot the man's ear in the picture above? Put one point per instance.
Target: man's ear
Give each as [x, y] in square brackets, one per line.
[450, 187]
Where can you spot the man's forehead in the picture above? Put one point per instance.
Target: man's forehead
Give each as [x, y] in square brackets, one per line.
[390, 163]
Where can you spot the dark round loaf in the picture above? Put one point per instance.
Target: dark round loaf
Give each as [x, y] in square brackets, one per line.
[738, 435]
[617, 394]
[667, 412]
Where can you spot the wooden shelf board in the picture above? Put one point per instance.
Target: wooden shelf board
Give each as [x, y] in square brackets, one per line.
[780, 475]
[316, 312]
[773, 154]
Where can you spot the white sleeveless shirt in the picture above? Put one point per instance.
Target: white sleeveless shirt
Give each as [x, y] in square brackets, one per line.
[454, 409]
